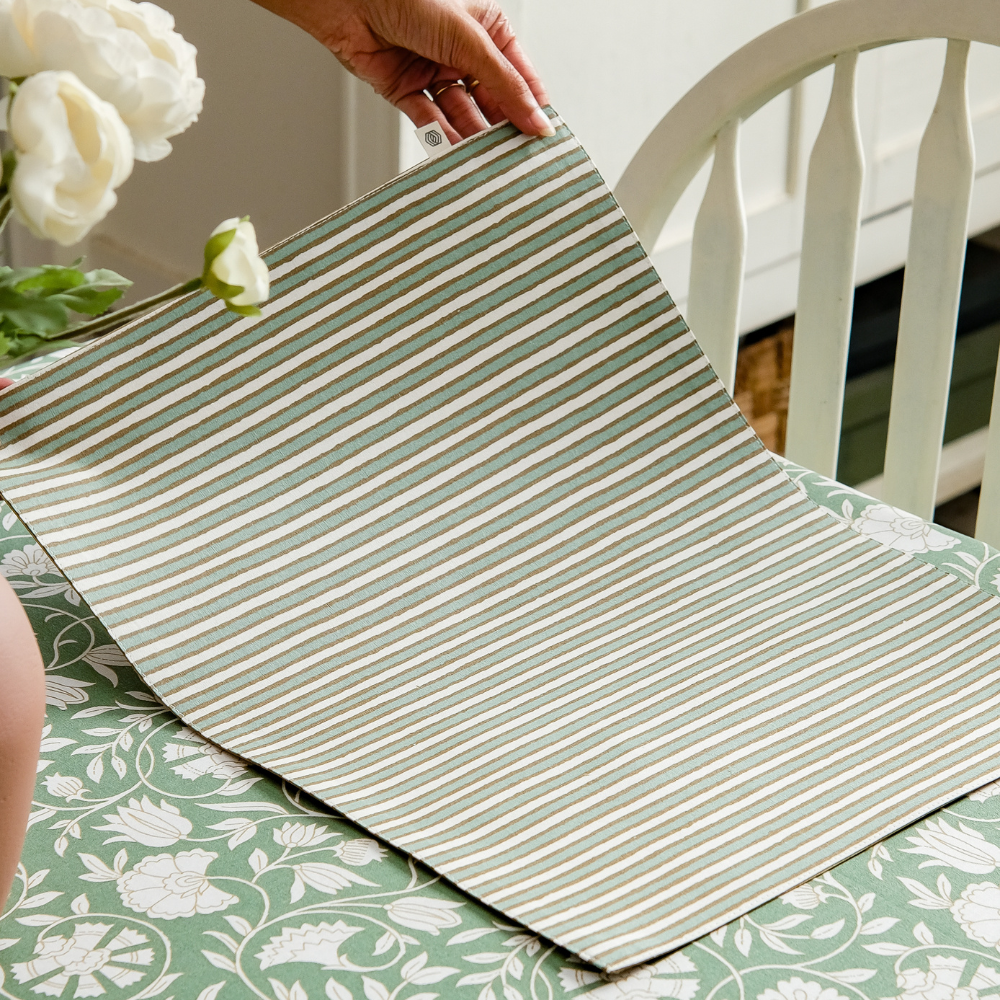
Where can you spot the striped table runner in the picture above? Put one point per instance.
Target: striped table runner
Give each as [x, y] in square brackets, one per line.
[467, 540]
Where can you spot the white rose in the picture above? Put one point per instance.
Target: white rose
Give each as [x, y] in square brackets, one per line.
[238, 265]
[72, 152]
[16, 58]
[168, 887]
[127, 53]
[899, 530]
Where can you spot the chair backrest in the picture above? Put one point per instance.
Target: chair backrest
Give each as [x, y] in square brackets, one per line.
[708, 118]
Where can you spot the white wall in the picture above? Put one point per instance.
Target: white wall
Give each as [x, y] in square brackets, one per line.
[614, 69]
[287, 136]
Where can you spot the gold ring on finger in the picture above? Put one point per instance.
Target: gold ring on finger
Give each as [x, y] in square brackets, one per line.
[438, 89]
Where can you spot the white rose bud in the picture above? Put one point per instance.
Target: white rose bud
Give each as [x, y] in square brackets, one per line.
[804, 897]
[234, 270]
[62, 786]
[423, 913]
[127, 53]
[72, 152]
[299, 835]
[326, 877]
[361, 851]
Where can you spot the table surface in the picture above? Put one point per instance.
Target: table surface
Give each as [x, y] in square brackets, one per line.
[158, 865]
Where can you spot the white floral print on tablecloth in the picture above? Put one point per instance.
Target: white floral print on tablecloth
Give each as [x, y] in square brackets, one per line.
[158, 865]
[971, 561]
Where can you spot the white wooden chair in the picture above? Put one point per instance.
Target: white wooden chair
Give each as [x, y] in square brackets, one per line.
[708, 118]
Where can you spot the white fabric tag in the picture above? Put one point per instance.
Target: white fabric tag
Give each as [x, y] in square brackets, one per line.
[433, 139]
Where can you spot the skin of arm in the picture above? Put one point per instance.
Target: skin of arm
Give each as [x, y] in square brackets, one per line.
[404, 47]
[22, 714]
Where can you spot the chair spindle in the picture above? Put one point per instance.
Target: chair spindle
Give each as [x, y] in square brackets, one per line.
[988, 518]
[718, 249]
[826, 279]
[931, 287]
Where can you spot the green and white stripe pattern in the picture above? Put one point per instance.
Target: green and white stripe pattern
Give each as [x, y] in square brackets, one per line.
[466, 539]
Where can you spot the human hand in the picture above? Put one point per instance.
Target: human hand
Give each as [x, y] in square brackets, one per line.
[404, 47]
[4, 382]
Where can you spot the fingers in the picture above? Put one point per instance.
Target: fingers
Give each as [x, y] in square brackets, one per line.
[502, 34]
[514, 54]
[421, 110]
[404, 46]
[4, 382]
[470, 36]
[459, 108]
[492, 54]
[452, 109]
[488, 106]
[511, 93]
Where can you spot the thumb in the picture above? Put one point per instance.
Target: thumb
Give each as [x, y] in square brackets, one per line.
[494, 58]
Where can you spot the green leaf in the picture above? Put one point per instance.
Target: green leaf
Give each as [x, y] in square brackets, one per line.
[38, 300]
[101, 278]
[215, 245]
[19, 346]
[33, 314]
[35, 347]
[50, 277]
[91, 301]
[9, 277]
[53, 279]
[244, 310]
[219, 288]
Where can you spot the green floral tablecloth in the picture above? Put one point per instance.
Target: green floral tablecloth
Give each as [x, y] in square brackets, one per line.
[159, 866]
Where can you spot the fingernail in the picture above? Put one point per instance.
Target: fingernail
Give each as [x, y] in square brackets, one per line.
[541, 122]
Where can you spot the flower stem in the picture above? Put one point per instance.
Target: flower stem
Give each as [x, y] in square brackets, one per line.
[111, 321]
[4, 210]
